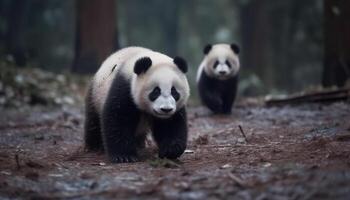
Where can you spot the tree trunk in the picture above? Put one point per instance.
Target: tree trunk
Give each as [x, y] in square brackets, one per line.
[169, 16]
[96, 34]
[255, 39]
[15, 35]
[337, 42]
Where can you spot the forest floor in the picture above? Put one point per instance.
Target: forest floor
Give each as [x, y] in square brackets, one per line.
[289, 152]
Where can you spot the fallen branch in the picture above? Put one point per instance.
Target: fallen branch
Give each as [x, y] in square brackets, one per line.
[315, 97]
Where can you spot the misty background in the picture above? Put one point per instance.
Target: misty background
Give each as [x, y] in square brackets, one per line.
[282, 42]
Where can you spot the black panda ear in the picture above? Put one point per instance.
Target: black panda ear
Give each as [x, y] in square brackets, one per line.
[235, 48]
[181, 64]
[207, 48]
[142, 65]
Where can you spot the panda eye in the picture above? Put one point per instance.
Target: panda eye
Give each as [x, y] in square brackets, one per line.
[154, 94]
[216, 64]
[228, 64]
[175, 93]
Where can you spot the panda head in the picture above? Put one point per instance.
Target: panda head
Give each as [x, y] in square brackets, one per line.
[221, 60]
[160, 89]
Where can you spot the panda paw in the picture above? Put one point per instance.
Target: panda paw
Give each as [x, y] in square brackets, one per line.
[172, 151]
[123, 159]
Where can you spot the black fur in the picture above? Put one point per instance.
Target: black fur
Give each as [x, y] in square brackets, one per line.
[175, 93]
[207, 49]
[181, 64]
[142, 65]
[228, 64]
[92, 137]
[218, 95]
[171, 135]
[216, 64]
[235, 48]
[119, 120]
[154, 94]
[114, 68]
[116, 127]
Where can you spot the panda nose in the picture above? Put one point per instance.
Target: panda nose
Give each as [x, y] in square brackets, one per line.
[166, 110]
[222, 72]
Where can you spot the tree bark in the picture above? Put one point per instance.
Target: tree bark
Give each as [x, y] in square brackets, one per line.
[96, 34]
[337, 42]
[170, 20]
[255, 39]
[15, 35]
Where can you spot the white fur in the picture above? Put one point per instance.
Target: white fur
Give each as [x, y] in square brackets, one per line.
[220, 52]
[104, 76]
[163, 73]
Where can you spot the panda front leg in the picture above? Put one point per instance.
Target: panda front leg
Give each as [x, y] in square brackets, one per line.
[171, 135]
[230, 96]
[118, 128]
[228, 100]
[119, 120]
[212, 100]
[227, 105]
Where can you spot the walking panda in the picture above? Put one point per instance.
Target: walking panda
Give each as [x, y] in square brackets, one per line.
[217, 77]
[136, 91]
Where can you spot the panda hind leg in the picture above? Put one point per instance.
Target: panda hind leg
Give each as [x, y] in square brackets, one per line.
[92, 128]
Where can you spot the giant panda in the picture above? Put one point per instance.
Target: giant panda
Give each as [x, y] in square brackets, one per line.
[136, 91]
[217, 77]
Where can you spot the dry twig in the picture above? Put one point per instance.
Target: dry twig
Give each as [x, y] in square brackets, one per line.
[241, 129]
[237, 180]
[17, 162]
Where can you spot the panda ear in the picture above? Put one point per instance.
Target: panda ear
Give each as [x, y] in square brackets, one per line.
[181, 64]
[142, 65]
[235, 48]
[207, 48]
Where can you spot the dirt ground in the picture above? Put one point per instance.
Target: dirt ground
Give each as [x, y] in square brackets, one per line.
[290, 152]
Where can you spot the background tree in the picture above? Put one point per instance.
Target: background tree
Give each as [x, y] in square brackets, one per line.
[337, 42]
[96, 34]
[255, 35]
[16, 29]
[282, 41]
[170, 17]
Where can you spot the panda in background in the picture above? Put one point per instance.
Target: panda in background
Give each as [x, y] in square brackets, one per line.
[217, 77]
[136, 91]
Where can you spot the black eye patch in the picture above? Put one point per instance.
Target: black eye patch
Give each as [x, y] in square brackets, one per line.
[228, 64]
[216, 64]
[175, 94]
[154, 94]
